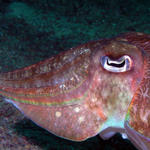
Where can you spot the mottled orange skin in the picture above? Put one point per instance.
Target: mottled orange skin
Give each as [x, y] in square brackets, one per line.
[73, 96]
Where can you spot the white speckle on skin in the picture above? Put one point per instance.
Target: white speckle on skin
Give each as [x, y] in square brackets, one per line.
[99, 80]
[62, 86]
[94, 99]
[77, 109]
[81, 119]
[72, 79]
[105, 93]
[58, 114]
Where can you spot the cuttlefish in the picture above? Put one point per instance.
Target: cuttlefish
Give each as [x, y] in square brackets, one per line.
[101, 87]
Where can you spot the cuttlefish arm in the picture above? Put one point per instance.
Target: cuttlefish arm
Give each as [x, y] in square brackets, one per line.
[87, 90]
[138, 116]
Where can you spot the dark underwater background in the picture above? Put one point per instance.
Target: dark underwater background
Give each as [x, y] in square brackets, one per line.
[33, 30]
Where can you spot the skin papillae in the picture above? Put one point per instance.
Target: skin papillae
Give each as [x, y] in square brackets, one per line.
[100, 87]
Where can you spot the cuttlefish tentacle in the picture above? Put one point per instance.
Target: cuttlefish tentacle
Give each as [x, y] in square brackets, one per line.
[137, 139]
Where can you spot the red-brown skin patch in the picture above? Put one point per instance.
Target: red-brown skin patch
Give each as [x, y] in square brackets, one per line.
[139, 109]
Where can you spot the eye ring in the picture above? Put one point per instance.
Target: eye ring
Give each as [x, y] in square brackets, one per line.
[122, 64]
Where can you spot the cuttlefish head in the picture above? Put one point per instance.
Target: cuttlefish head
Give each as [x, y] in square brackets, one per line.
[122, 66]
[98, 87]
[119, 71]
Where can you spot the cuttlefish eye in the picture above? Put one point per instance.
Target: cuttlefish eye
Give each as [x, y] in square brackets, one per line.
[121, 64]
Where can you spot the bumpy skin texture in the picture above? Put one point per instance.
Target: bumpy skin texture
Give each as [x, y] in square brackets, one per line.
[74, 97]
[139, 109]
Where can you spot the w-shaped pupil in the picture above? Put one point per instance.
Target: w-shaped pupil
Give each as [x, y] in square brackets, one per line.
[115, 64]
